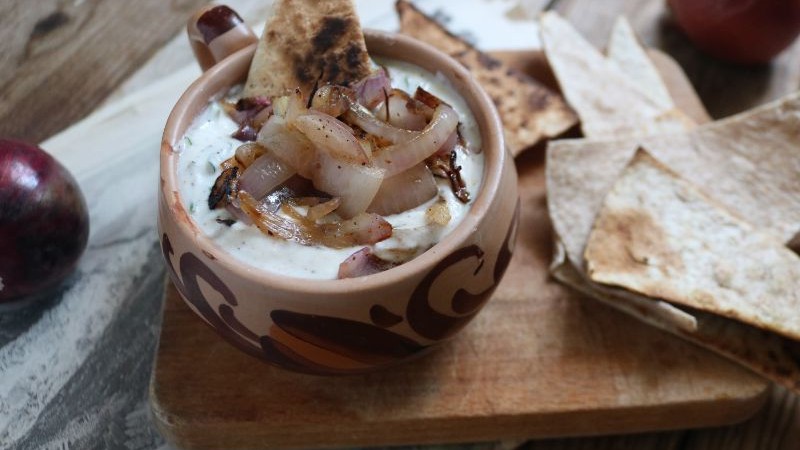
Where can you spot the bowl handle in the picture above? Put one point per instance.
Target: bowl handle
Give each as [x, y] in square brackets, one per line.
[215, 32]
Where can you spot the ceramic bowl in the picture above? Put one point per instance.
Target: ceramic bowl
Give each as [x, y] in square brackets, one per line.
[350, 325]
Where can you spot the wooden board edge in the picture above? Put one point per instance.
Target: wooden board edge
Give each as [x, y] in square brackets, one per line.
[654, 418]
[458, 430]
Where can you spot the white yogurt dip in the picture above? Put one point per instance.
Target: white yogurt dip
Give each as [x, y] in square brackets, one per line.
[208, 142]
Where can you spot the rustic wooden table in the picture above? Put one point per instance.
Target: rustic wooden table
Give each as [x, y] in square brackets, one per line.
[60, 60]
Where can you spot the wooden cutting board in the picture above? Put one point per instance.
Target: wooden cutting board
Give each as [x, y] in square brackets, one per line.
[539, 361]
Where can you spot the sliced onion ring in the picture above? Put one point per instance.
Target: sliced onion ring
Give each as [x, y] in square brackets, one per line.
[355, 184]
[404, 112]
[400, 157]
[331, 135]
[404, 191]
[360, 116]
[288, 144]
[264, 175]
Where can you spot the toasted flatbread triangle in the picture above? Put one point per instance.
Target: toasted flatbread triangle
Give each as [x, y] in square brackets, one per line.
[657, 235]
[608, 103]
[625, 50]
[530, 112]
[307, 42]
[748, 163]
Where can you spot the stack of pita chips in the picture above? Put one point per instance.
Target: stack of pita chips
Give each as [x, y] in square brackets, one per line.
[530, 111]
[685, 226]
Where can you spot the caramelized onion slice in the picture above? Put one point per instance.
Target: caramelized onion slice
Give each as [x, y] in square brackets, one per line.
[264, 175]
[361, 117]
[288, 144]
[427, 98]
[404, 191]
[400, 157]
[364, 228]
[331, 135]
[404, 112]
[355, 184]
[273, 224]
[360, 230]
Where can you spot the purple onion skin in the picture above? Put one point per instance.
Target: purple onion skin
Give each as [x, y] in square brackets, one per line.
[44, 222]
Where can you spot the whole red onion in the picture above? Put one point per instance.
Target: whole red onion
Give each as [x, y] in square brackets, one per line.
[742, 31]
[44, 222]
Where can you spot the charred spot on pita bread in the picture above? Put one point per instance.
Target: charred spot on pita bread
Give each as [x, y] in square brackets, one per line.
[530, 112]
[325, 46]
[330, 32]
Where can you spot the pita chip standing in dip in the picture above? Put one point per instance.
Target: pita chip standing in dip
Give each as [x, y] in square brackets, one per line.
[335, 166]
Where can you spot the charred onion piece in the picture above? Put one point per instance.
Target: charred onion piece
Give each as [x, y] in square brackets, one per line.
[360, 230]
[428, 99]
[445, 166]
[363, 263]
[400, 157]
[228, 222]
[225, 188]
[456, 182]
[404, 191]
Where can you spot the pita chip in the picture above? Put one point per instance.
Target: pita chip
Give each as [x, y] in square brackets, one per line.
[306, 42]
[748, 163]
[660, 237]
[608, 102]
[625, 50]
[530, 112]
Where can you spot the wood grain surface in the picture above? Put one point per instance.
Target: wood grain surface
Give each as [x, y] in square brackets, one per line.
[61, 58]
[70, 67]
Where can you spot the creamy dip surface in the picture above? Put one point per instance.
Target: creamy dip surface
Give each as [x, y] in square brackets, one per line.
[208, 143]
